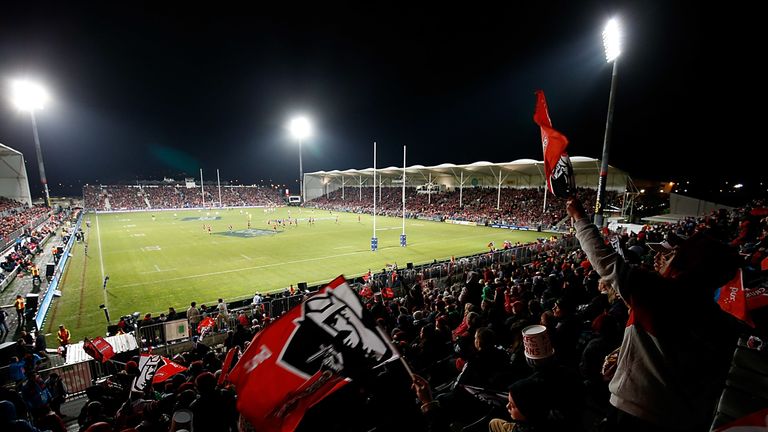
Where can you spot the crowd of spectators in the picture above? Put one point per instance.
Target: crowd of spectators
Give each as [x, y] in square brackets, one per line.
[19, 218]
[462, 336]
[172, 197]
[518, 207]
[7, 205]
[26, 245]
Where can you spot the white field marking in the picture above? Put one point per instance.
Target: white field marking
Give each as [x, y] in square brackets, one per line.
[137, 235]
[150, 248]
[417, 224]
[129, 226]
[123, 220]
[101, 261]
[158, 270]
[344, 247]
[387, 229]
[246, 257]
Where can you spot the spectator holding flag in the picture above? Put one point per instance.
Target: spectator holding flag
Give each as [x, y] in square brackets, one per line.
[678, 343]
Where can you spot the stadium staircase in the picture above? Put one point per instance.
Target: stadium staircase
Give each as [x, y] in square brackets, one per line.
[107, 206]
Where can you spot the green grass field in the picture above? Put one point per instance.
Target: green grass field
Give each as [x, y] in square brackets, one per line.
[171, 260]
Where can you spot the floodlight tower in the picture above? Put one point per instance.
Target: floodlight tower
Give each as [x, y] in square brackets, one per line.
[30, 96]
[300, 129]
[612, 43]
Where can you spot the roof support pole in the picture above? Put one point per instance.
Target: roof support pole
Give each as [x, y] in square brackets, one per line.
[498, 194]
[429, 189]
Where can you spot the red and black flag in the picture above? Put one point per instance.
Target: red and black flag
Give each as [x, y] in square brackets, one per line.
[304, 356]
[154, 369]
[557, 165]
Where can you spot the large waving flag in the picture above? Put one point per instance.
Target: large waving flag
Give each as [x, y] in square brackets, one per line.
[557, 165]
[304, 356]
[154, 369]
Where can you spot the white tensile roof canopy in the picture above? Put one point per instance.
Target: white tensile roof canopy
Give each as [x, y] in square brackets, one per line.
[521, 173]
[14, 183]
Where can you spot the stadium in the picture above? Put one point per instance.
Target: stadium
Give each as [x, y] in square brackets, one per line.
[242, 245]
[561, 294]
[142, 252]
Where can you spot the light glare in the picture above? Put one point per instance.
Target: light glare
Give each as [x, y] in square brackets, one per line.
[612, 40]
[300, 127]
[28, 96]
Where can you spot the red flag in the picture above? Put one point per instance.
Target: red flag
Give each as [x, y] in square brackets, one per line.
[733, 299]
[388, 293]
[557, 165]
[304, 356]
[166, 370]
[99, 349]
[227, 365]
[205, 325]
[366, 292]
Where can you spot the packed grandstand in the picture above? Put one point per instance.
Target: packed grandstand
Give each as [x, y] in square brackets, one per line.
[569, 332]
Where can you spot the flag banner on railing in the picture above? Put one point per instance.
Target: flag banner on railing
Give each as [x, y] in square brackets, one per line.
[99, 349]
[304, 356]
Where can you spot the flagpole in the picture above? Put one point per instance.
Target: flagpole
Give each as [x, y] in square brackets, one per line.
[374, 240]
[202, 189]
[545, 196]
[403, 241]
[394, 349]
[218, 181]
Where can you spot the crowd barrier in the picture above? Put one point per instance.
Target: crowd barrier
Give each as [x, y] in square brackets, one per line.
[78, 377]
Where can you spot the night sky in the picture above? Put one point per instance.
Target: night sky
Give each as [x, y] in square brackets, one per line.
[161, 91]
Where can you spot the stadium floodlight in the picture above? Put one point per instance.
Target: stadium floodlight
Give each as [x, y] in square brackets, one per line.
[29, 96]
[612, 43]
[301, 129]
[612, 40]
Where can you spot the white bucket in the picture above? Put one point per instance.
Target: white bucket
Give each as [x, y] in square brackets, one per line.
[536, 342]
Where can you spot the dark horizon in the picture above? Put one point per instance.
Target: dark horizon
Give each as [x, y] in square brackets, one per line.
[143, 96]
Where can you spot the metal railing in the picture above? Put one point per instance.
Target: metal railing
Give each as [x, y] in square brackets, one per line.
[78, 377]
